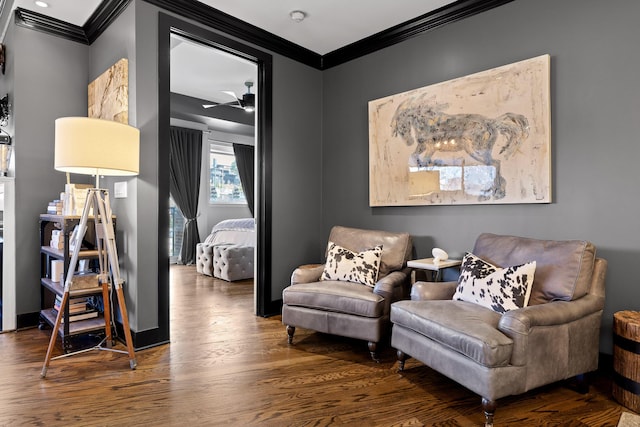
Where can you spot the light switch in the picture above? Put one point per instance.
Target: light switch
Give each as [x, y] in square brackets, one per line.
[120, 190]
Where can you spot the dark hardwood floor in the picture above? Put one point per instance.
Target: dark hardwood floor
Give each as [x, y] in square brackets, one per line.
[225, 366]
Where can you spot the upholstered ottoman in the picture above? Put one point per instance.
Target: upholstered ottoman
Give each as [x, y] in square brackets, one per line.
[204, 258]
[232, 262]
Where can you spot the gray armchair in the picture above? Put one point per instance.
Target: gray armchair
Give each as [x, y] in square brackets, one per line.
[556, 337]
[345, 308]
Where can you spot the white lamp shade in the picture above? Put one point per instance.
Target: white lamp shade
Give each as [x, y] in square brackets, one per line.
[90, 146]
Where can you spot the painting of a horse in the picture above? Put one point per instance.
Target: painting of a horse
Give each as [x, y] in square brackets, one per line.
[482, 138]
[432, 130]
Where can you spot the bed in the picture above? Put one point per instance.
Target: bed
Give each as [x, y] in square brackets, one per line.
[228, 251]
[236, 231]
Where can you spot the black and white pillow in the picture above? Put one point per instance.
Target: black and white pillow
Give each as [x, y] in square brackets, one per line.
[500, 289]
[348, 266]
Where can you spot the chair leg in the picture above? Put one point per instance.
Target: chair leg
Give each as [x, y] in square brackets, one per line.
[290, 331]
[582, 383]
[373, 346]
[402, 356]
[489, 407]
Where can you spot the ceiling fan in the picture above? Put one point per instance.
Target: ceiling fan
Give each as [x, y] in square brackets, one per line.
[247, 102]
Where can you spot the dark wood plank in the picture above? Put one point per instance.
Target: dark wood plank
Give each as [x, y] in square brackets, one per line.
[226, 366]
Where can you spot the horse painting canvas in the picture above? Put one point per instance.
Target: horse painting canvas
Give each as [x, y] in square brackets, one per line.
[483, 138]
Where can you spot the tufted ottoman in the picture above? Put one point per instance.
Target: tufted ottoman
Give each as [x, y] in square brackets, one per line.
[204, 258]
[232, 262]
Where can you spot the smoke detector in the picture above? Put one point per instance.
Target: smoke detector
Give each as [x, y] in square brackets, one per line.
[298, 15]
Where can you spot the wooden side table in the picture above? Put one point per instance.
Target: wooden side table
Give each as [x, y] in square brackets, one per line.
[427, 265]
[626, 359]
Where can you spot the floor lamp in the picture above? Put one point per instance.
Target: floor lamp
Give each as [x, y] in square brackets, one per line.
[96, 147]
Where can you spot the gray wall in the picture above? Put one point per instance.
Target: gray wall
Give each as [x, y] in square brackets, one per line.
[297, 173]
[49, 76]
[119, 41]
[146, 231]
[595, 106]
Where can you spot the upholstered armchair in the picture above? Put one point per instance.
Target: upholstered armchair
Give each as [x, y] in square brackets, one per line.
[334, 299]
[497, 354]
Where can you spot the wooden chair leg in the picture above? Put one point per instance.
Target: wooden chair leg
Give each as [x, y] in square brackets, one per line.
[402, 356]
[489, 407]
[290, 331]
[373, 349]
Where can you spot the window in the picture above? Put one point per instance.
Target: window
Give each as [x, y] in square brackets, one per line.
[176, 229]
[224, 181]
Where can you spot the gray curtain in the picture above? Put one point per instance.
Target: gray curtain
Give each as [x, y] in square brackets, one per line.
[185, 160]
[244, 160]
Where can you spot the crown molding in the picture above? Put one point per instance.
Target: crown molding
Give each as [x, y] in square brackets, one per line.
[412, 28]
[227, 24]
[206, 15]
[103, 16]
[36, 21]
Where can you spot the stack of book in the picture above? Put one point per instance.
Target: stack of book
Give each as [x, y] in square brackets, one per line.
[55, 207]
[78, 309]
[57, 239]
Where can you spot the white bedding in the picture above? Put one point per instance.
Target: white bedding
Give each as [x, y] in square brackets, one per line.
[235, 231]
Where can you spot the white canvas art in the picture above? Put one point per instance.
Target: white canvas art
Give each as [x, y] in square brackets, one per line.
[109, 94]
[482, 138]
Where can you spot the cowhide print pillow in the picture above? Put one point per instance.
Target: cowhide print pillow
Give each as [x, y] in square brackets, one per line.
[500, 289]
[347, 266]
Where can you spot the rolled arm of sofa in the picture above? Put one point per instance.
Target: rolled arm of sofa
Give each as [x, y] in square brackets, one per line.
[549, 314]
[428, 291]
[308, 273]
[520, 324]
[391, 286]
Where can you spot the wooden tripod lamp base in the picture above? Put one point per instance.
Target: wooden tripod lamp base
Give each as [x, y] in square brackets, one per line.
[109, 275]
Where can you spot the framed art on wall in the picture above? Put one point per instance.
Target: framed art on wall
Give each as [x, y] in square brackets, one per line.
[109, 94]
[480, 139]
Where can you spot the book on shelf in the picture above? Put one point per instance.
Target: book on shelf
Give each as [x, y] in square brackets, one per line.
[73, 300]
[76, 305]
[73, 308]
[87, 314]
[55, 207]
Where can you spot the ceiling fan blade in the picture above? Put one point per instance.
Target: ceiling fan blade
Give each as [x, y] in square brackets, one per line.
[230, 93]
[229, 104]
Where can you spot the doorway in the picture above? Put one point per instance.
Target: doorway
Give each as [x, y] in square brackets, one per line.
[213, 92]
[170, 25]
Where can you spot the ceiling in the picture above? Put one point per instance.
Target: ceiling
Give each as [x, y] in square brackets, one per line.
[329, 25]
[201, 75]
[203, 72]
